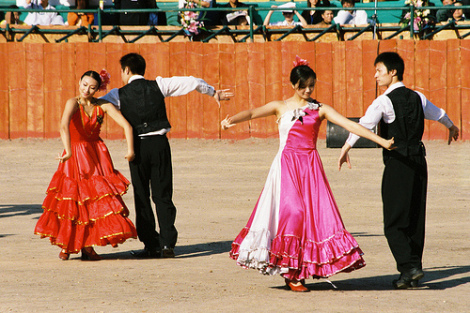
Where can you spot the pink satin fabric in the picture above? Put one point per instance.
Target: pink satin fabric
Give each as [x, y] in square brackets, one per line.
[305, 236]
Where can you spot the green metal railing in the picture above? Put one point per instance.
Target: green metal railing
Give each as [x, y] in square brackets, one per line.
[96, 33]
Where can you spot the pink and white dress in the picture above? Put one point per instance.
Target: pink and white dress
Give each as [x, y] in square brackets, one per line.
[296, 229]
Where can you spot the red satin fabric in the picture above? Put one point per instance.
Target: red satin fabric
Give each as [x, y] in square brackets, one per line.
[83, 206]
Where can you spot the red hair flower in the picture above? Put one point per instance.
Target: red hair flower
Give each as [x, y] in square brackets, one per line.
[298, 61]
[105, 79]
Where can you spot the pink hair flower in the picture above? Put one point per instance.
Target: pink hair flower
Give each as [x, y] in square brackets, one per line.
[105, 79]
[298, 61]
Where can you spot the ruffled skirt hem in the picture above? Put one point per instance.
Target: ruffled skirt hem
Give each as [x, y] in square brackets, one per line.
[295, 259]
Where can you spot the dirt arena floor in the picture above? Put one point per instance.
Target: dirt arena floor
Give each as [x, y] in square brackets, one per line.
[216, 186]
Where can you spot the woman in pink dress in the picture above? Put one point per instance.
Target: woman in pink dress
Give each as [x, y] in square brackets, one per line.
[296, 229]
[83, 207]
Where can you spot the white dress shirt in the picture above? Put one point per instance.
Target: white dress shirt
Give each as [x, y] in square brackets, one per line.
[382, 108]
[170, 87]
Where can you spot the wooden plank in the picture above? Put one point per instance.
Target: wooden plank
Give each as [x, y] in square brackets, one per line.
[82, 52]
[406, 49]
[177, 106]
[453, 107]
[339, 78]
[465, 90]
[35, 89]
[195, 106]
[227, 65]
[437, 84]
[4, 92]
[241, 91]
[370, 90]
[257, 87]
[324, 71]
[68, 81]
[422, 72]
[277, 85]
[353, 77]
[211, 114]
[287, 51]
[53, 103]
[18, 83]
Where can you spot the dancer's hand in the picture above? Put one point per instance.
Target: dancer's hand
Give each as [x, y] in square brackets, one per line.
[130, 156]
[344, 156]
[453, 134]
[389, 144]
[64, 157]
[222, 95]
[226, 123]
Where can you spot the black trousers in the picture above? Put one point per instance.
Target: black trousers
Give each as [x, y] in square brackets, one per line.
[151, 171]
[404, 188]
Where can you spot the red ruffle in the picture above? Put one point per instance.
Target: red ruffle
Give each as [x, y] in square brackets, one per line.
[86, 213]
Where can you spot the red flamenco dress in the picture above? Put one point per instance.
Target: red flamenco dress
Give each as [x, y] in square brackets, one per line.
[83, 207]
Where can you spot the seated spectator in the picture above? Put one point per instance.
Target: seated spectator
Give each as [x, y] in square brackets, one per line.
[156, 18]
[457, 14]
[351, 17]
[235, 17]
[327, 18]
[128, 18]
[443, 15]
[11, 18]
[40, 18]
[288, 14]
[209, 18]
[466, 12]
[78, 18]
[314, 16]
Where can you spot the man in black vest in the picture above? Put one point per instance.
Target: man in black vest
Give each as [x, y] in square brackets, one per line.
[142, 103]
[401, 113]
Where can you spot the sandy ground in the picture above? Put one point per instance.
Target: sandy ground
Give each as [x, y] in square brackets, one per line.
[216, 186]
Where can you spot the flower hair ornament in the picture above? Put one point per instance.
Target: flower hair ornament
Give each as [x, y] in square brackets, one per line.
[299, 61]
[105, 79]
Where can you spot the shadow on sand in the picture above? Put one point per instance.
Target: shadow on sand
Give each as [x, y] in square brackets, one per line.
[436, 278]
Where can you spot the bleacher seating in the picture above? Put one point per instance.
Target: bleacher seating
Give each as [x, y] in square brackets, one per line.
[388, 16]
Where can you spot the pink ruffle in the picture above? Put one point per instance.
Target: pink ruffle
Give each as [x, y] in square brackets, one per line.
[297, 260]
[316, 259]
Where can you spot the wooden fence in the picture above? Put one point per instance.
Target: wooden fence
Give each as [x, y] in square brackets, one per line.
[37, 79]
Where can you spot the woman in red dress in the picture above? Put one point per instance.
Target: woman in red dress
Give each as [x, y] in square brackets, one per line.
[83, 207]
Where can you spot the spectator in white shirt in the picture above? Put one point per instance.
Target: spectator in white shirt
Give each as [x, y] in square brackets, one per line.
[42, 18]
[288, 16]
[351, 17]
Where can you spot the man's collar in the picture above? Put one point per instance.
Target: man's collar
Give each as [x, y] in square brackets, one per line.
[134, 77]
[394, 86]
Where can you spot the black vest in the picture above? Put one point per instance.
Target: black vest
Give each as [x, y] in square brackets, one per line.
[143, 105]
[408, 126]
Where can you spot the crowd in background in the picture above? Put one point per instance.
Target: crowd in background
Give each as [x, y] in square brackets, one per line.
[317, 14]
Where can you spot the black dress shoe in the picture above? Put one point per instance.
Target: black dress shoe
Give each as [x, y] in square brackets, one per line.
[408, 279]
[168, 252]
[146, 254]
